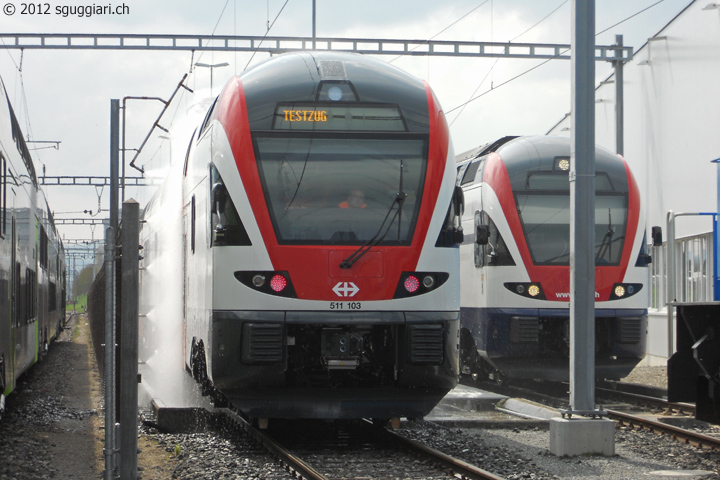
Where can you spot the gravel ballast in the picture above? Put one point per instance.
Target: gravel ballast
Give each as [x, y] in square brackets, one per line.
[52, 429]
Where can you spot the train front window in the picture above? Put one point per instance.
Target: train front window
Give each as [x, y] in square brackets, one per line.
[340, 189]
[546, 223]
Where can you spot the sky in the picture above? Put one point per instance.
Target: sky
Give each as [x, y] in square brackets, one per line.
[64, 96]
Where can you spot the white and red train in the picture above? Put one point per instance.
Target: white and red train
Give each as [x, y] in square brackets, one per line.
[515, 261]
[321, 229]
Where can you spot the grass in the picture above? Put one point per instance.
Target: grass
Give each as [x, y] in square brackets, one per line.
[79, 304]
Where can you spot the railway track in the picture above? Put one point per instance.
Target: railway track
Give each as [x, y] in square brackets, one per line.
[352, 451]
[631, 420]
[690, 437]
[649, 401]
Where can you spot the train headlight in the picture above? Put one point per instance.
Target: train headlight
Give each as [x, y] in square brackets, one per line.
[410, 283]
[624, 290]
[335, 93]
[272, 283]
[562, 164]
[526, 289]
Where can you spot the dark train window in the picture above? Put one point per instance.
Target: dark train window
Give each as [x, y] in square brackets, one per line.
[310, 183]
[187, 154]
[470, 172]
[18, 303]
[192, 225]
[26, 296]
[208, 116]
[225, 224]
[52, 297]
[32, 295]
[43, 248]
[496, 252]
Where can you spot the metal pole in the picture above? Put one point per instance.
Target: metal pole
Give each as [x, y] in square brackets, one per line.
[122, 183]
[114, 161]
[582, 210]
[619, 97]
[716, 243]
[314, 36]
[130, 240]
[670, 282]
[109, 450]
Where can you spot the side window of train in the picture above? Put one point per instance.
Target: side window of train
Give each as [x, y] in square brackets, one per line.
[192, 224]
[208, 117]
[43, 248]
[18, 303]
[460, 171]
[495, 252]
[479, 249]
[187, 154]
[470, 172]
[226, 227]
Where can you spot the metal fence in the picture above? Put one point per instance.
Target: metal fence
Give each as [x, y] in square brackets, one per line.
[693, 271]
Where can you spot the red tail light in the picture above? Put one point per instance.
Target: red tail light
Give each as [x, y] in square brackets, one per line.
[272, 282]
[411, 284]
[278, 283]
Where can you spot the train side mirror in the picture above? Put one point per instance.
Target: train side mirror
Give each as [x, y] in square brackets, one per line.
[458, 236]
[657, 239]
[482, 234]
[219, 198]
[459, 199]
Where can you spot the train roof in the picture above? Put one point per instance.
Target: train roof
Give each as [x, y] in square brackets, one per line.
[299, 77]
[535, 146]
[484, 149]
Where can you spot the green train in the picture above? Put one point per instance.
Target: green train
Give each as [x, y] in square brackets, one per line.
[32, 259]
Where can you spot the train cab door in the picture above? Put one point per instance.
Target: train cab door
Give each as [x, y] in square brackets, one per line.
[480, 242]
[185, 246]
[14, 296]
[7, 249]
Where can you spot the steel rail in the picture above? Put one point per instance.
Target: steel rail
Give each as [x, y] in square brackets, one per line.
[293, 464]
[696, 439]
[300, 469]
[456, 467]
[680, 408]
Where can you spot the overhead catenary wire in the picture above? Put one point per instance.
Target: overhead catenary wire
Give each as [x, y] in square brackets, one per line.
[222, 12]
[266, 34]
[497, 59]
[444, 29]
[548, 60]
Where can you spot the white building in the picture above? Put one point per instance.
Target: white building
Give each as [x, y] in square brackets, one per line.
[671, 135]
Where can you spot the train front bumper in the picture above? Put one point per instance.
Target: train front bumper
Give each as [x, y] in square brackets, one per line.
[330, 365]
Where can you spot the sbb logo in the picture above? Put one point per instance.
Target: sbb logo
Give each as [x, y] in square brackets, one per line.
[345, 289]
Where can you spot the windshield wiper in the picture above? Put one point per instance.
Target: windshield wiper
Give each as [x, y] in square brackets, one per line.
[377, 238]
[607, 239]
